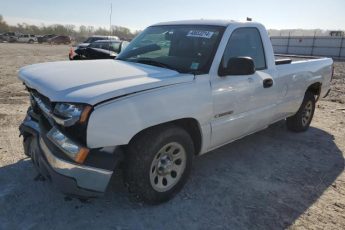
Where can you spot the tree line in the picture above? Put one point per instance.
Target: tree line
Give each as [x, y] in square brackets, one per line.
[122, 32]
[70, 30]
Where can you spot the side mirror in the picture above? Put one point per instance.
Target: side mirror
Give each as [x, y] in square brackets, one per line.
[238, 66]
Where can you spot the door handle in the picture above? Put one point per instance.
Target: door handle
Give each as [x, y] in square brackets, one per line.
[268, 82]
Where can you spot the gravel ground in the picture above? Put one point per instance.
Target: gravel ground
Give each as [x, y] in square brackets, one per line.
[338, 84]
[273, 179]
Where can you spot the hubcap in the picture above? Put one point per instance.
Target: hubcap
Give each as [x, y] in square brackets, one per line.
[167, 167]
[307, 112]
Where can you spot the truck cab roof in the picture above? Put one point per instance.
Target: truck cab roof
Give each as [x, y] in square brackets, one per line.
[209, 22]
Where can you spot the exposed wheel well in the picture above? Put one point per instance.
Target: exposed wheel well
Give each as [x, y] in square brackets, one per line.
[315, 89]
[191, 125]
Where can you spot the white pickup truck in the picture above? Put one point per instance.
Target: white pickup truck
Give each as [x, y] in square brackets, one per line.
[27, 38]
[179, 90]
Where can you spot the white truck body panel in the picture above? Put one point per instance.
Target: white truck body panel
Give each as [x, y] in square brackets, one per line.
[132, 97]
[139, 111]
[94, 81]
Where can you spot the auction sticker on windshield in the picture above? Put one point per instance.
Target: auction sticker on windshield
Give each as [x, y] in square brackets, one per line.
[200, 34]
[194, 66]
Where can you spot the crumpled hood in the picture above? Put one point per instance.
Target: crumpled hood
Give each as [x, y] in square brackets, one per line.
[94, 81]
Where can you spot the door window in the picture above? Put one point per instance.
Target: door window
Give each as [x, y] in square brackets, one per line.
[245, 42]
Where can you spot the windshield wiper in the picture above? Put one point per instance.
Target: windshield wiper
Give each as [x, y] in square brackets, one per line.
[155, 63]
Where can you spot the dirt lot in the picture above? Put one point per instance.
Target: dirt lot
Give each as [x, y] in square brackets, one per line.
[270, 180]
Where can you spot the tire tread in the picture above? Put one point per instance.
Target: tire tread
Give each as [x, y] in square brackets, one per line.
[139, 156]
[294, 123]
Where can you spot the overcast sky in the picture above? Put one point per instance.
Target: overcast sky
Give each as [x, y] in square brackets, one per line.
[137, 14]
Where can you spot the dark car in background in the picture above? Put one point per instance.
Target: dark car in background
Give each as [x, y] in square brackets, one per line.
[44, 38]
[94, 38]
[100, 49]
[61, 39]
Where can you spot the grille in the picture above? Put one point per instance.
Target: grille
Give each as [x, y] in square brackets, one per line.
[42, 105]
[45, 100]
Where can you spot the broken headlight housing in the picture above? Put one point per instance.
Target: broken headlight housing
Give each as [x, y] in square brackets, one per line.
[68, 146]
[68, 114]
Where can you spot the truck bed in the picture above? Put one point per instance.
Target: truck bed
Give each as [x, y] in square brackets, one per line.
[282, 59]
[305, 70]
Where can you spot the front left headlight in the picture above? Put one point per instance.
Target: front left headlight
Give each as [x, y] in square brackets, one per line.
[68, 114]
[69, 147]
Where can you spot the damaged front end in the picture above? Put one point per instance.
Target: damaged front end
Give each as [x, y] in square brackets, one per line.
[58, 150]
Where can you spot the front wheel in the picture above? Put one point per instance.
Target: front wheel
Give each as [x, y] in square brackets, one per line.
[300, 122]
[158, 163]
[27, 144]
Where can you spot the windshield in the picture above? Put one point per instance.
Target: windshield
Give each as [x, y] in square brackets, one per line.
[186, 48]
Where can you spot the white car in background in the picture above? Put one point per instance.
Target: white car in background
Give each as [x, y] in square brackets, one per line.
[27, 38]
[9, 37]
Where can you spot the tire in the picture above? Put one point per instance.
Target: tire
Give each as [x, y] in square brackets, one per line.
[300, 122]
[31, 41]
[158, 163]
[27, 142]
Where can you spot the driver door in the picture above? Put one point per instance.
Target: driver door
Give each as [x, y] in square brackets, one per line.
[242, 104]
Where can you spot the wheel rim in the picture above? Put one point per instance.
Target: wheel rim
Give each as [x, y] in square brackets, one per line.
[167, 167]
[307, 113]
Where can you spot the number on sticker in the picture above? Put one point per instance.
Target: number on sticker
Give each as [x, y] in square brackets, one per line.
[200, 34]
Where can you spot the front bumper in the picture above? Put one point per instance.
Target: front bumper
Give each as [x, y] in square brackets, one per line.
[328, 91]
[71, 178]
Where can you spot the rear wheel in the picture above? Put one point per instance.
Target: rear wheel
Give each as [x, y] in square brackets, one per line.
[158, 163]
[301, 120]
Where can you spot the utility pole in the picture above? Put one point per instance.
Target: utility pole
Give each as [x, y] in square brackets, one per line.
[313, 45]
[111, 12]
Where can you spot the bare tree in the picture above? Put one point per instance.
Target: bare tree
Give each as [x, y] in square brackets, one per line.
[69, 29]
[3, 25]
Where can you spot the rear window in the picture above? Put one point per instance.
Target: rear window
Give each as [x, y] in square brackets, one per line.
[115, 46]
[93, 39]
[98, 45]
